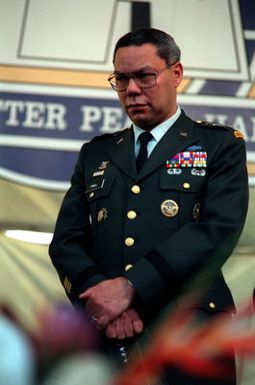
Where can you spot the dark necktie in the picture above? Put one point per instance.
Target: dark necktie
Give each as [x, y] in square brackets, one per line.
[144, 138]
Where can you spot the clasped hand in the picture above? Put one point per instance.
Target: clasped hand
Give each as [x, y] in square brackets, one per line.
[109, 305]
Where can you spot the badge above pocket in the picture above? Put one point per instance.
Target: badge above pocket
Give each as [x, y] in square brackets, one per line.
[184, 182]
[99, 181]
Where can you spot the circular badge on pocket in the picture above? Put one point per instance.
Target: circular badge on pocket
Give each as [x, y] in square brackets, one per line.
[169, 208]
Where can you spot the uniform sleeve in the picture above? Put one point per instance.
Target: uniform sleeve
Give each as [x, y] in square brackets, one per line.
[71, 243]
[201, 247]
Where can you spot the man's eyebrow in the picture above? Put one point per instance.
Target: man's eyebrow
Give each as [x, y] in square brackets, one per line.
[142, 69]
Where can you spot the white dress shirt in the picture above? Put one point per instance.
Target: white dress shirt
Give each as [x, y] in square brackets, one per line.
[157, 132]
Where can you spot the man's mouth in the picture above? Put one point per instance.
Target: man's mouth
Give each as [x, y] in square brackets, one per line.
[135, 106]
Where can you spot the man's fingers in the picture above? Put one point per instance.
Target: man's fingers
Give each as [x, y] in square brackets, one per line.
[128, 325]
[120, 328]
[111, 331]
[136, 323]
[138, 326]
[85, 294]
[114, 330]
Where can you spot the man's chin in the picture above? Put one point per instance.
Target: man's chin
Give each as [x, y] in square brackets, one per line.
[141, 121]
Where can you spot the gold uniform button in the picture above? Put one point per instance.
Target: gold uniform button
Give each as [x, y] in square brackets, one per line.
[136, 189]
[186, 185]
[212, 305]
[131, 214]
[129, 241]
[91, 195]
[128, 267]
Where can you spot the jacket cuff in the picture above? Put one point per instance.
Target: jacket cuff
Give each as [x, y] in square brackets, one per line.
[153, 279]
[85, 279]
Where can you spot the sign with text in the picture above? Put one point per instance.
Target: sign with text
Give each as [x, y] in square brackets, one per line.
[54, 92]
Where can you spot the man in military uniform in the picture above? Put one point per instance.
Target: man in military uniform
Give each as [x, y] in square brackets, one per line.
[153, 206]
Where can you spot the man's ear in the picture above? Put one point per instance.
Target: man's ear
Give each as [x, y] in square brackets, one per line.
[177, 73]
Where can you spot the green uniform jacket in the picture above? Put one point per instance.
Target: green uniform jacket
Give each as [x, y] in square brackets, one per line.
[181, 215]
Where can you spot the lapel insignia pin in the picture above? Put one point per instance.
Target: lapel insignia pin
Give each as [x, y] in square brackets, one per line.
[103, 165]
[98, 173]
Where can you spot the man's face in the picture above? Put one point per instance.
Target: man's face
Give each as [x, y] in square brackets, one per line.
[147, 107]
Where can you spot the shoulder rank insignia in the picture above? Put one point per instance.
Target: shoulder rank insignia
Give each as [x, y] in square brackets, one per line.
[238, 134]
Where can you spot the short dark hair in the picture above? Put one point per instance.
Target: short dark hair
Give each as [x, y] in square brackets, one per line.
[167, 49]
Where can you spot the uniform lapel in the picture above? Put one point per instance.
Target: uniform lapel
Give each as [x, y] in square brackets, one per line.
[178, 137]
[122, 153]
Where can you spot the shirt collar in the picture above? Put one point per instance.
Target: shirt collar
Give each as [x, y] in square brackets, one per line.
[159, 131]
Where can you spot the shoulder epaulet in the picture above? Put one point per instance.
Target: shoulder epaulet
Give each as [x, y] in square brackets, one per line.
[108, 136]
[102, 137]
[205, 124]
[212, 125]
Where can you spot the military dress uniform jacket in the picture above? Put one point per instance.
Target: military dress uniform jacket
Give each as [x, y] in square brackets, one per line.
[182, 214]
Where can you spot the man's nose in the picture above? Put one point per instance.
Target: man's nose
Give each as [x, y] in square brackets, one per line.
[133, 87]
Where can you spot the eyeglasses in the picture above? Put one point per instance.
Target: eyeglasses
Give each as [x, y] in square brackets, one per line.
[120, 80]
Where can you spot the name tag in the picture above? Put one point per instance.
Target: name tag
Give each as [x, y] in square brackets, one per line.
[95, 186]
